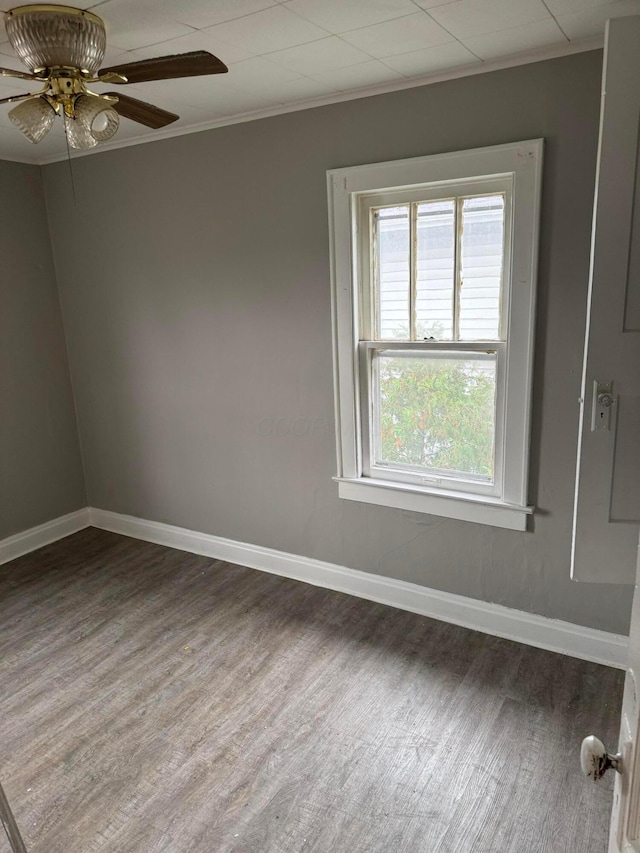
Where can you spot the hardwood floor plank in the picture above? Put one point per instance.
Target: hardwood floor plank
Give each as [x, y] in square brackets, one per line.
[160, 702]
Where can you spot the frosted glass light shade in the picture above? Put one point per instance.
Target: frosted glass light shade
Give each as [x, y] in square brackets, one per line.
[34, 118]
[98, 116]
[48, 35]
[78, 133]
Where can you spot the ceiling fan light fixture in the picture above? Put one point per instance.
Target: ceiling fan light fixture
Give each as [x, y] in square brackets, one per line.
[34, 118]
[97, 116]
[63, 47]
[45, 36]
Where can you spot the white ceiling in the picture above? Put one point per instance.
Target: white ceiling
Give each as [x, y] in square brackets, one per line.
[285, 54]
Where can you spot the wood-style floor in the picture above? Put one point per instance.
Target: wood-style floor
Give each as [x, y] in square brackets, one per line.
[158, 702]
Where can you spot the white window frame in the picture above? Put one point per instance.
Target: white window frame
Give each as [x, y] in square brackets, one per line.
[352, 191]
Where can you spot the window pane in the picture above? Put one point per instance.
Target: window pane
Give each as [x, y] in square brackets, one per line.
[391, 229]
[434, 413]
[482, 249]
[435, 270]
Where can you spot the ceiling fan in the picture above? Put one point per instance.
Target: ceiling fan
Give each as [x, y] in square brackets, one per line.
[63, 48]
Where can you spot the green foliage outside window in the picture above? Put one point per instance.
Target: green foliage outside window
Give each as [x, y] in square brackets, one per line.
[437, 413]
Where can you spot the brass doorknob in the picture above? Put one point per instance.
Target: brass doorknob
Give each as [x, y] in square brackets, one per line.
[595, 760]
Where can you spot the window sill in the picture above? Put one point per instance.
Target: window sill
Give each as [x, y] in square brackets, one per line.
[464, 507]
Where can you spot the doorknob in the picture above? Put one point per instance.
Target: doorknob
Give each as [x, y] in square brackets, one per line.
[595, 760]
[603, 402]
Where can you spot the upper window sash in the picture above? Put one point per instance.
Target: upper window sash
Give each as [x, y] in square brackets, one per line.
[456, 191]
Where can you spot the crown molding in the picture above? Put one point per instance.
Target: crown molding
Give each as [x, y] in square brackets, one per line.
[538, 55]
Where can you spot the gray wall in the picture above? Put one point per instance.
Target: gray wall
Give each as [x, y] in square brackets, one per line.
[40, 470]
[198, 313]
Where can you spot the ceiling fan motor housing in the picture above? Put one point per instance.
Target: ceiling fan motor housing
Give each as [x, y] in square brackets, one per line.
[47, 36]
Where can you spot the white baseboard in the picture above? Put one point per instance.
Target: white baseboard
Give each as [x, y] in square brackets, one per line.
[44, 534]
[552, 634]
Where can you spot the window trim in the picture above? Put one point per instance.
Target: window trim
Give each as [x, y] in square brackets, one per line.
[522, 162]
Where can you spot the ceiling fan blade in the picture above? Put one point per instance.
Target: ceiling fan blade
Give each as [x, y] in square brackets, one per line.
[193, 64]
[16, 98]
[142, 112]
[21, 75]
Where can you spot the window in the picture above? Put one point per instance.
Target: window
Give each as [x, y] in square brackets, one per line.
[433, 276]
